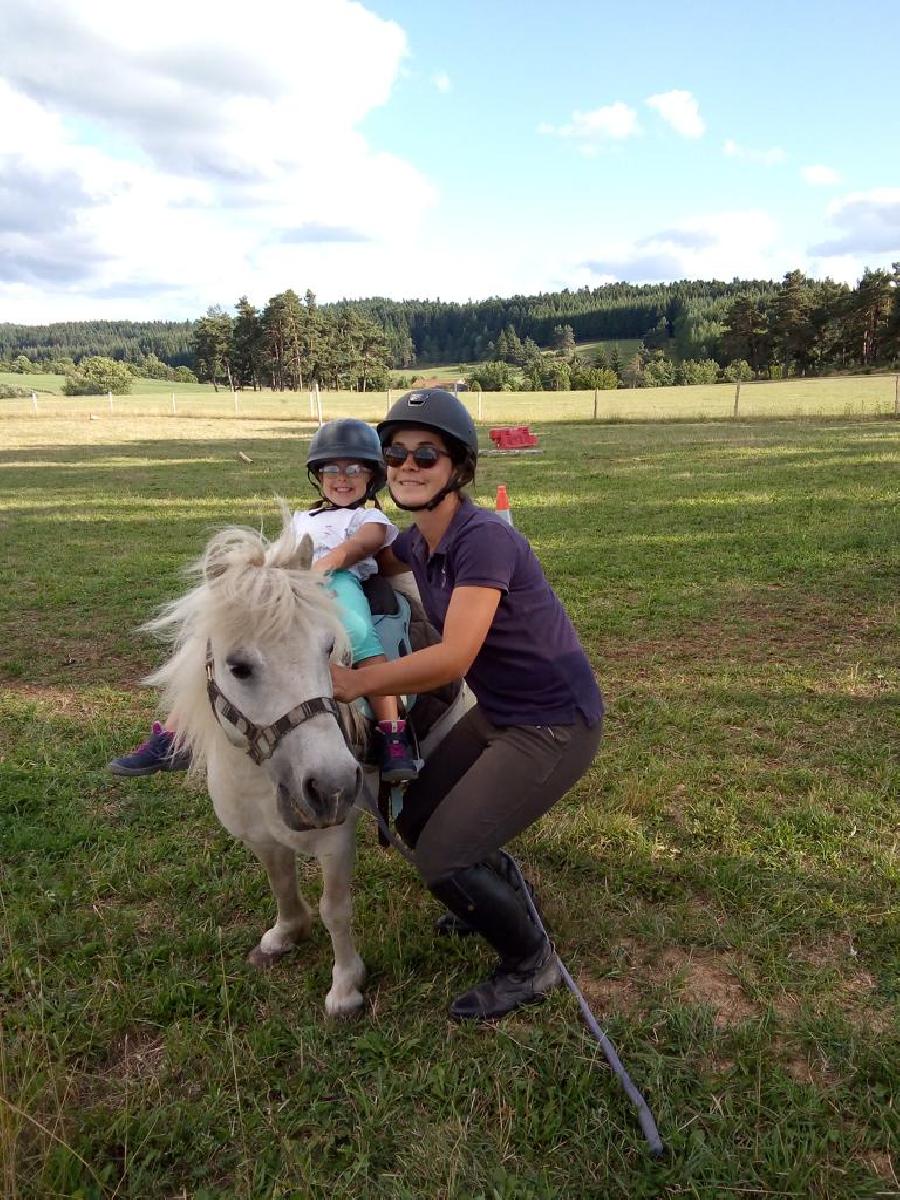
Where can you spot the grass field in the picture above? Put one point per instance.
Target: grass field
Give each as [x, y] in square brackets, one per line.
[723, 882]
[863, 395]
[627, 348]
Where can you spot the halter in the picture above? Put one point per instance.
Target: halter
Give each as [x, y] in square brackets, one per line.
[262, 740]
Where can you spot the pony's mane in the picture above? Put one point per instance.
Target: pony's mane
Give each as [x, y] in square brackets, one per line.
[244, 583]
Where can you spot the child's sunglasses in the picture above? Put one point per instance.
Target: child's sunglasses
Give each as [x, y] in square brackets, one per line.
[423, 456]
[352, 470]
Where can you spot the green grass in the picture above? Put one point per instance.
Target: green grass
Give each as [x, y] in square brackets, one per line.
[444, 373]
[448, 373]
[851, 396]
[627, 348]
[723, 882]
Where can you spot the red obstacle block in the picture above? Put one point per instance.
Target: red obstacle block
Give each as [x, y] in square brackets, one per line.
[513, 437]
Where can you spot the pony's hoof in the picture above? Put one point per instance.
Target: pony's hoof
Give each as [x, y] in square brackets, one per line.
[348, 1009]
[264, 960]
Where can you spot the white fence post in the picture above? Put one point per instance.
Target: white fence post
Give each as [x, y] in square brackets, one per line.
[737, 397]
[388, 404]
[110, 402]
[595, 404]
[173, 404]
[318, 403]
[34, 403]
[235, 398]
[312, 404]
[479, 404]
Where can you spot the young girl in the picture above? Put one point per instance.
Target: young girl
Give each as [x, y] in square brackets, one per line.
[346, 468]
[537, 723]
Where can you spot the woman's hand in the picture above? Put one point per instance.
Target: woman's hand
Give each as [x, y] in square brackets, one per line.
[346, 683]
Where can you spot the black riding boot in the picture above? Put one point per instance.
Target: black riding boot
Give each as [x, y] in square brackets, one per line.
[491, 905]
[448, 924]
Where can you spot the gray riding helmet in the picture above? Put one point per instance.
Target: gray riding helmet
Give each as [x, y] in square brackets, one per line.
[347, 438]
[433, 408]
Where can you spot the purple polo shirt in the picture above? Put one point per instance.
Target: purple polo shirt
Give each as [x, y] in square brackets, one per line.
[532, 669]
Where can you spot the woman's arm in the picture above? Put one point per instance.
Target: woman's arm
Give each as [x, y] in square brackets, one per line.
[367, 541]
[469, 618]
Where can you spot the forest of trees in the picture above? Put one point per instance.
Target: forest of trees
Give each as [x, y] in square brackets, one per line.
[690, 331]
[127, 341]
[291, 344]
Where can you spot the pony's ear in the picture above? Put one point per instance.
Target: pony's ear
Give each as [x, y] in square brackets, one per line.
[304, 556]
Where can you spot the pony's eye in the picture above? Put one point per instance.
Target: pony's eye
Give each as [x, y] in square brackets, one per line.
[239, 669]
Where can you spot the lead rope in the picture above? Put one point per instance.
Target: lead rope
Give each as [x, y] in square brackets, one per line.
[645, 1116]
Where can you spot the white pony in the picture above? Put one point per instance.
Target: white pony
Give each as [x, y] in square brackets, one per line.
[249, 687]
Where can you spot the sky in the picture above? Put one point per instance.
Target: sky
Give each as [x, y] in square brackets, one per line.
[158, 158]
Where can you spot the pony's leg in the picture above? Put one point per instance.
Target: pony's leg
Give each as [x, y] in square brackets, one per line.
[293, 919]
[335, 908]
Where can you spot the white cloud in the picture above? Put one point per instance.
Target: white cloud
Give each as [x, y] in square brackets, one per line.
[766, 158]
[863, 224]
[819, 176]
[680, 110]
[441, 81]
[189, 152]
[612, 122]
[717, 245]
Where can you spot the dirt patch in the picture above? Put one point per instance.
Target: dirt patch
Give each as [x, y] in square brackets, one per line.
[137, 1056]
[623, 995]
[832, 950]
[66, 702]
[770, 627]
[817, 1071]
[85, 655]
[699, 976]
[718, 1066]
[853, 989]
[705, 979]
[880, 1163]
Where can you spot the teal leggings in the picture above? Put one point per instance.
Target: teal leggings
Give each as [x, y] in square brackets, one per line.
[356, 616]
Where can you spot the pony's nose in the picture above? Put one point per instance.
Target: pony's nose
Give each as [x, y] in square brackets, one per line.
[331, 803]
[320, 800]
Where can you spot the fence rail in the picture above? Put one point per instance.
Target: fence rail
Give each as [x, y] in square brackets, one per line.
[863, 395]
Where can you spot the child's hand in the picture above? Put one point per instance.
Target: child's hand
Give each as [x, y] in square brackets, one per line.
[327, 562]
[346, 683]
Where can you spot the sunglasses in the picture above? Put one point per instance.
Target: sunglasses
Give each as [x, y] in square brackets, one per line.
[331, 470]
[423, 456]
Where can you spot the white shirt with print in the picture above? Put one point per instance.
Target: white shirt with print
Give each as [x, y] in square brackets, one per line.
[332, 526]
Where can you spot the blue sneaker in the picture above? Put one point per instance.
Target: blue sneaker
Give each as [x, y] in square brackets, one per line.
[397, 762]
[155, 754]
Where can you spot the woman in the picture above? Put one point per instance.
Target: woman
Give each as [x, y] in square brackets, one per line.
[538, 720]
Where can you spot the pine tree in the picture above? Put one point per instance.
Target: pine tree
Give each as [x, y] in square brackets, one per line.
[212, 345]
[870, 306]
[246, 346]
[789, 321]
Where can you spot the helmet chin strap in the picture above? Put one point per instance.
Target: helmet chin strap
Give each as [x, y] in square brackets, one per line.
[452, 485]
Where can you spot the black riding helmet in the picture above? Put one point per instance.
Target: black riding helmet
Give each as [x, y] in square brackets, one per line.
[347, 438]
[433, 408]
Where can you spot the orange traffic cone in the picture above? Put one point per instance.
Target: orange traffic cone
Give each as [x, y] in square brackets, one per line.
[501, 505]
